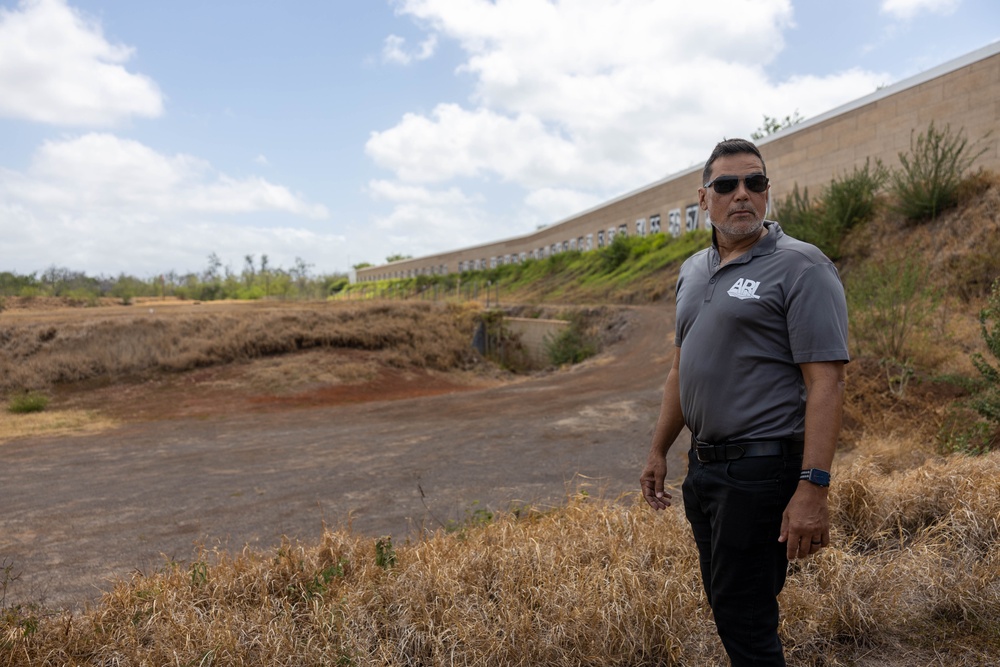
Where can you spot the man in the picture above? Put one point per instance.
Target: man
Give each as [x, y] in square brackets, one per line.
[762, 322]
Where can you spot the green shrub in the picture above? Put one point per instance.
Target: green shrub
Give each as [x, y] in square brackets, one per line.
[928, 179]
[852, 199]
[570, 346]
[962, 433]
[849, 200]
[385, 552]
[987, 401]
[889, 300]
[26, 402]
[616, 253]
[800, 217]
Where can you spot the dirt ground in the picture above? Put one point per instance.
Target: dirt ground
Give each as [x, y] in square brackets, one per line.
[205, 459]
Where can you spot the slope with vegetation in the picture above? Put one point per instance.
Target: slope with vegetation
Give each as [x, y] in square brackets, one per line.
[912, 577]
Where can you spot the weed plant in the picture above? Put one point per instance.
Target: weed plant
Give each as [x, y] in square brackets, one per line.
[801, 218]
[987, 401]
[25, 402]
[570, 346]
[929, 176]
[852, 199]
[889, 300]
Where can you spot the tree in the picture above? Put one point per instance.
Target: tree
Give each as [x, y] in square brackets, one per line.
[397, 257]
[300, 274]
[212, 270]
[265, 272]
[773, 125]
[249, 272]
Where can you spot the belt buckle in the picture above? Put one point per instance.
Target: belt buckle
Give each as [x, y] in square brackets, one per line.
[710, 452]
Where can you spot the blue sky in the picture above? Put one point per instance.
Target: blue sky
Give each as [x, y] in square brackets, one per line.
[140, 137]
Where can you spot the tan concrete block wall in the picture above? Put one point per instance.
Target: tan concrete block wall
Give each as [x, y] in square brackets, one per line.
[879, 126]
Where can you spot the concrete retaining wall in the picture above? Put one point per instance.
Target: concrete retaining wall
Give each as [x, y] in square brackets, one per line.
[964, 93]
[533, 334]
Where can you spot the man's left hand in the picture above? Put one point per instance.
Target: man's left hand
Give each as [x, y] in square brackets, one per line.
[805, 524]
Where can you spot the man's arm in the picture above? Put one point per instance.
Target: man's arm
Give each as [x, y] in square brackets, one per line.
[805, 524]
[668, 427]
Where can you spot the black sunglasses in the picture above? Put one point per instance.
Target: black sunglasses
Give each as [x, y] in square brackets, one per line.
[726, 184]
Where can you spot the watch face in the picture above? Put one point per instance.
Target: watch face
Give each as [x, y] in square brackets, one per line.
[816, 476]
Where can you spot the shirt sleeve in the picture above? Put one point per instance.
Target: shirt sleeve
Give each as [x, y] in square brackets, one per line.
[817, 316]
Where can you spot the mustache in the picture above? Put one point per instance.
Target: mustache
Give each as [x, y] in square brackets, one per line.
[743, 208]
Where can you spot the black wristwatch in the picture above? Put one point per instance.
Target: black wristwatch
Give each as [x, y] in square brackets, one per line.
[816, 476]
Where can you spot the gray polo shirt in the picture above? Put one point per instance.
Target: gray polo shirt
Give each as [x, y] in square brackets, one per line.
[744, 328]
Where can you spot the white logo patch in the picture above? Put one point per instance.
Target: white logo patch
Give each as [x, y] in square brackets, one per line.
[744, 288]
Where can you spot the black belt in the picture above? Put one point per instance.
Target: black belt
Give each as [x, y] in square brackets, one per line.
[731, 451]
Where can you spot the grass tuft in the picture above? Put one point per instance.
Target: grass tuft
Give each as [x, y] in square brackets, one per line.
[27, 402]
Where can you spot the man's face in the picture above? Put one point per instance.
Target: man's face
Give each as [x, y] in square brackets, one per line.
[739, 214]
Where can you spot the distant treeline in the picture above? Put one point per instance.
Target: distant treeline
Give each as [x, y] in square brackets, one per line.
[257, 280]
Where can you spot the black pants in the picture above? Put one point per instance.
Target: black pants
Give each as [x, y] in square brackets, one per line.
[735, 510]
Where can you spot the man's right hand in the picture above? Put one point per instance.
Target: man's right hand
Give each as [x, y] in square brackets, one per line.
[651, 482]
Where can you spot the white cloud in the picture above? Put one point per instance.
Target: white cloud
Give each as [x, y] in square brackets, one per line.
[102, 171]
[554, 204]
[56, 67]
[456, 143]
[393, 50]
[575, 101]
[261, 159]
[908, 9]
[429, 220]
[398, 192]
[103, 204]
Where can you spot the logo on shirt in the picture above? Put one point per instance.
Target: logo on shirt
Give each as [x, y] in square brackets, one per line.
[744, 288]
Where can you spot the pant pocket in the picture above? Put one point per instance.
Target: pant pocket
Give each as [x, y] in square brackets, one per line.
[756, 470]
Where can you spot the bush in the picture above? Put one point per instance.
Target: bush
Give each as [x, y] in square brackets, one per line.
[853, 198]
[570, 346]
[849, 200]
[928, 180]
[987, 401]
[889, 300]
[615, 254]
[800, 217]
[26, 402]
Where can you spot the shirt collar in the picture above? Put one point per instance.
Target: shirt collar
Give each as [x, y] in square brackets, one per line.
[764, 246]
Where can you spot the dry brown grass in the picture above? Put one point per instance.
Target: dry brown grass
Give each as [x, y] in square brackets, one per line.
[40, 352]
[61, 422]
[913, 578]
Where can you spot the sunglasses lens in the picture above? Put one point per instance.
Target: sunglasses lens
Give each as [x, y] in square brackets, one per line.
[725, 184]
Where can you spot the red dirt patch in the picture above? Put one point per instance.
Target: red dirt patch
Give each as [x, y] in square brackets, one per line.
[341, 377]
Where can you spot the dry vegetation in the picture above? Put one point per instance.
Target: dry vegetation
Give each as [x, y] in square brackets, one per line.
[912, 577]
[39, 354]
[912, 580]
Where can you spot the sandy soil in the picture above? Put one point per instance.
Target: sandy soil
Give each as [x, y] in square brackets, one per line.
[205, 459]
